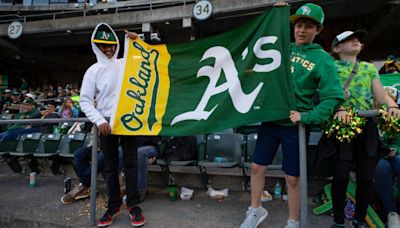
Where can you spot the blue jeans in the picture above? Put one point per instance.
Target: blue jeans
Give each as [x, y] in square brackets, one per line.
[144, 153]
[82, 160]
[14, 133]
[385, 171]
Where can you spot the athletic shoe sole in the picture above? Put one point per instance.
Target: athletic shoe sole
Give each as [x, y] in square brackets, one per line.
[82, 196]
[109, 223]
[262, 218]
[64, 202]
[137, 224]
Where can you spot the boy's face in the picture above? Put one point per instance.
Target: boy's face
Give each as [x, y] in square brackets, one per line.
[107, 49]
[305, 31]
[351, 46]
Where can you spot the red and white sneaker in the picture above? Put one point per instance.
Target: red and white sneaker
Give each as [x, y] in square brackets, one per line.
[137, 218]
[107, 218]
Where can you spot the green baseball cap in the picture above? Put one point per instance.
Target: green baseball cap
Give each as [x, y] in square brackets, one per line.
[104, 36]
[28, 101]
[311, 11]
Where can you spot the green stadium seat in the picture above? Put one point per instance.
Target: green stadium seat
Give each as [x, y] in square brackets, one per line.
[69, 143]
[6, 116]
[27, 144]
[8, 146]
[222, 151]
[48, 145]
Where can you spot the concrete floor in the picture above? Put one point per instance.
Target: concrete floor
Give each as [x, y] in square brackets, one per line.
[23, 206]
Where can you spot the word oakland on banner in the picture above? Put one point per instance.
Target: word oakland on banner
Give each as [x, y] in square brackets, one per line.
[229, 80]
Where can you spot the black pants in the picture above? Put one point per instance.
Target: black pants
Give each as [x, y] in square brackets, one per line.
[109, 145]
[364, 168]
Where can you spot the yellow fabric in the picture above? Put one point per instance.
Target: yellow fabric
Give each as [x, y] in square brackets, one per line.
[104, 42]
[136, 108]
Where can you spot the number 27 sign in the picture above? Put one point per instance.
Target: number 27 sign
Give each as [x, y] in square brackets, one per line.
[15, 30]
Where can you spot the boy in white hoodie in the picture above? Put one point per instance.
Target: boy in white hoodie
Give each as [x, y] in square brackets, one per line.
[100, 81]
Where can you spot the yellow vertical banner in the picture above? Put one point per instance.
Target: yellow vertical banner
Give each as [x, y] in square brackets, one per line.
[144, 89]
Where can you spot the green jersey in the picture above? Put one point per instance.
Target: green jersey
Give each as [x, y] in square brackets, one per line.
[313, 70]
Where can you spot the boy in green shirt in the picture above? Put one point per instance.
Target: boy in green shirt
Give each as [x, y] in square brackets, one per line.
[312, 69]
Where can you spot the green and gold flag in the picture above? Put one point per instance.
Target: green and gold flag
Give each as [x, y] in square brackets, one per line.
[229, 80]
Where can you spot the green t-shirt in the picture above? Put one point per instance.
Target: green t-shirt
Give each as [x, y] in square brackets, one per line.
[360, 88]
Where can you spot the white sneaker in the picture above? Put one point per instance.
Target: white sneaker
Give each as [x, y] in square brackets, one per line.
[254, 216]
[393, 220]
[292, 224]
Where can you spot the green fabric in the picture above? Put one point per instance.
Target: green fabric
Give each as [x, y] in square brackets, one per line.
[314, 69]
[273, 102]
[24, 115]
[361, 86]
[392, 142]
[311, 11]
[391, 80]
[105, 36]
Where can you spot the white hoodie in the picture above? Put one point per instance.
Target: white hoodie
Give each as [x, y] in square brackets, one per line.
[100, 81]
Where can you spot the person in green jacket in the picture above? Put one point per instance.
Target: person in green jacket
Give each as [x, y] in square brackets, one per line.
[362, 151]
[312, 69]
[28, 111]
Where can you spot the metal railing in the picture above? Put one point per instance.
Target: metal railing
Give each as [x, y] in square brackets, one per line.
[93, 180]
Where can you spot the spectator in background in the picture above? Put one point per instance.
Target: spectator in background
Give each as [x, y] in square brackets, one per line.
[7, 97]
[391, 65]
[14, 106]
[146, 153]
[49, 112]
[386, 171]
[68, 110]
[28, 112]
[24, 84]
[82, 159]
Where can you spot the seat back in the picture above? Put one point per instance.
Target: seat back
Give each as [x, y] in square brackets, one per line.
[49, 143]
[71, 142]
[28, 143]
[8, 145]
[226, 146]
[6, 116]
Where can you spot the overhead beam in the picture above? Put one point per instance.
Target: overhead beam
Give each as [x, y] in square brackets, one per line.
[136, 17]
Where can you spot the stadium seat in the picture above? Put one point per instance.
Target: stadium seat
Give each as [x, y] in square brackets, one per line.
[69, 143]
[6, 116]
[200, 142]
[246, 165]
[27, 144]
[48, 145]
[222, 151]
[8, 146]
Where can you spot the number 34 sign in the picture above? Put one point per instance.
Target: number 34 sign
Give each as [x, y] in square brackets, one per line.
[202, 10]
[15, 30]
